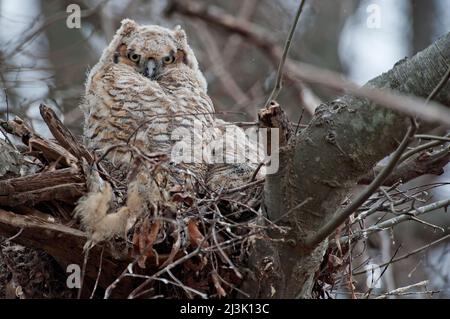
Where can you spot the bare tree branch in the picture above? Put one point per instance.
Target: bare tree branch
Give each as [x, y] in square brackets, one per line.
[396, 220]
[411, 253]
[342, 215]
[278, 83]
[408, 105]
[418, 165]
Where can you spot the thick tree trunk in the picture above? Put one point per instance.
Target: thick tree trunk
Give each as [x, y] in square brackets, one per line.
[344, 140]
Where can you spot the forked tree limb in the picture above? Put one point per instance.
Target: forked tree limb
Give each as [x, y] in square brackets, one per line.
[341, 215]
[344, 140]
[418, 165]
[64, 137]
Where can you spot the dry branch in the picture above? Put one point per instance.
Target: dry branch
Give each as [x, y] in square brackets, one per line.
[405, 256]
[64, 185]
[418, 165]
[411, 215]
[62, 242]
[64, 137]
[48, 150]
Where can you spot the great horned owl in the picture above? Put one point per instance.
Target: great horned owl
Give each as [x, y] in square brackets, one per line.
[146, 83]
[146, 86]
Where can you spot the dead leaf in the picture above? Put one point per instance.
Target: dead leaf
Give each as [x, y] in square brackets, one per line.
[220, 291]
[334, 261]
[144, 239]
[195, 236]
[183, 198]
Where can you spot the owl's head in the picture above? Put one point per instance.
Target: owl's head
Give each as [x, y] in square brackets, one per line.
[153, 50]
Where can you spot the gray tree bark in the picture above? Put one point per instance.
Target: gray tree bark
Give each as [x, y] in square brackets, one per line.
[344, 140]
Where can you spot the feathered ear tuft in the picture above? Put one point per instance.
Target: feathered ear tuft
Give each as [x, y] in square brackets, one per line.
[109, 55]
[111, 52]
[180, 36]
[189, 56]
[127, 26]
[181, 39]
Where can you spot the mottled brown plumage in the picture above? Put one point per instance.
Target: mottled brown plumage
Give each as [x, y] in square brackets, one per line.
[120, 101]
[147, 92]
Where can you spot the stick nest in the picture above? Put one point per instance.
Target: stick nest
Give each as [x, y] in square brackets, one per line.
[199, 249]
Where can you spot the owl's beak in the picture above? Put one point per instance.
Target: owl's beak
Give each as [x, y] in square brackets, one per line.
[151, 69]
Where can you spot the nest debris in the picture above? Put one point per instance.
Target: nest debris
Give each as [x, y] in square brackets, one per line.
[200, 250]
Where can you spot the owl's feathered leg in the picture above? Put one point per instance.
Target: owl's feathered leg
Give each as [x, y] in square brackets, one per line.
[92, 209]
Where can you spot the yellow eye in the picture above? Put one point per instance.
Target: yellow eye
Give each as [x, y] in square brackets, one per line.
[134, 57]
[169, 59]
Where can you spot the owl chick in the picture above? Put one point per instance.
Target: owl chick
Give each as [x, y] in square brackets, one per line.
[144, 95]
[146, 83]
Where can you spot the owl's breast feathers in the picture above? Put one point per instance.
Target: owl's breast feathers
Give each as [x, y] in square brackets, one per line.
[126, 107]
